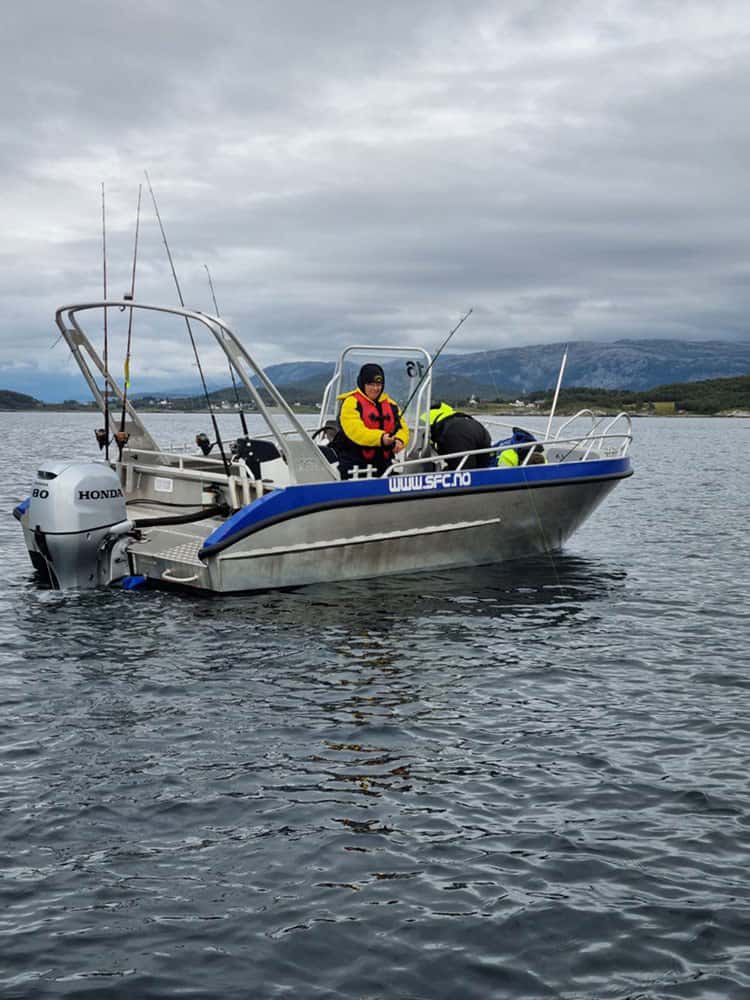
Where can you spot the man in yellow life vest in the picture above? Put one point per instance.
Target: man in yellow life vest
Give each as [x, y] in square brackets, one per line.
[372, 431]
[451, 432]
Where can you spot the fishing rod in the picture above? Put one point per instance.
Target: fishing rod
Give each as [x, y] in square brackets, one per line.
[229, 363]
[190, 330]
[121, 436]
[103, 436]
[437, 355]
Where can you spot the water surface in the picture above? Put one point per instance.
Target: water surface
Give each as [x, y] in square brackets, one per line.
[522, 781]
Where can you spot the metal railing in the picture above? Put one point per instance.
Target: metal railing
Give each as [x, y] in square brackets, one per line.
[584, 447]
[584, 443]
[242, 487]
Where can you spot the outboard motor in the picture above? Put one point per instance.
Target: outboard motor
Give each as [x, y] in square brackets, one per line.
[75, 510]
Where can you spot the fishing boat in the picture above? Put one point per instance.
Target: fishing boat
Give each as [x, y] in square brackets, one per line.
[271, 511]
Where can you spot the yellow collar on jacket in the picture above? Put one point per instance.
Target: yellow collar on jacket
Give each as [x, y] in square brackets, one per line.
[382, 398]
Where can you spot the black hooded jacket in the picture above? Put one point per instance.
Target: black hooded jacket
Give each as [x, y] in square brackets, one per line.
[461, 432]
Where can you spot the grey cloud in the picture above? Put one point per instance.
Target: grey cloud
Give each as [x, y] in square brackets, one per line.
[351, 172]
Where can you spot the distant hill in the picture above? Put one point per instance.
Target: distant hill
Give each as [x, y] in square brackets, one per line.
[709, 396]
[634, 365]
[10, 400]
[720, 395]
[300, 371]
[621, 364]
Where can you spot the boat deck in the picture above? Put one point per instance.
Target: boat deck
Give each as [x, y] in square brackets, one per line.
[173, 545]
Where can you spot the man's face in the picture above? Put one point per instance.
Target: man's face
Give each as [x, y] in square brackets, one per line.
[373, 389]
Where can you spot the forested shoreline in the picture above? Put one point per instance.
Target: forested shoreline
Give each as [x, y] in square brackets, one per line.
[706, 398]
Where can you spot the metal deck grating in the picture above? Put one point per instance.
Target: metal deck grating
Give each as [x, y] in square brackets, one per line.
[185, 552]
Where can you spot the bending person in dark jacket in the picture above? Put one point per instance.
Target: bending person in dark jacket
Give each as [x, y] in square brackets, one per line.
[372, 431]
[451, 431]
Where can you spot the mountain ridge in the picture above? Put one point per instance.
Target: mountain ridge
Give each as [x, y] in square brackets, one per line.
[636, 365]
[625, 363]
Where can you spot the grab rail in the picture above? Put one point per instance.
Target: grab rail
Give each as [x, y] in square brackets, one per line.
[576, 442]
[576, 416]
[622, 415]
[593, 438]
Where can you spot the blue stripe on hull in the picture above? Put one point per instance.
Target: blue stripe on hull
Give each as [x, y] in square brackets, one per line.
[293, 500]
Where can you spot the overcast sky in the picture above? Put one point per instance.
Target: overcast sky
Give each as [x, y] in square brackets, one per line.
[357, 172]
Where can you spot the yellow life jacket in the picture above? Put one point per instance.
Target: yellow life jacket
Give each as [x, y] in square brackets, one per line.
[508, 457]
[438, 413]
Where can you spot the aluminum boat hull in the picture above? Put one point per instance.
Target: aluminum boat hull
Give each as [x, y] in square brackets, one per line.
[350, 531]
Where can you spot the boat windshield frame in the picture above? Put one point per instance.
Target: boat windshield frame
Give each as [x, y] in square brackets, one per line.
[419, 387]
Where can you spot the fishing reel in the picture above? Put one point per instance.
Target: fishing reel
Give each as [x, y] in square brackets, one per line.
[203, 442]
[120, 438]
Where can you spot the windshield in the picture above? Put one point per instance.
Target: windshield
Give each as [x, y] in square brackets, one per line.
[407, 378]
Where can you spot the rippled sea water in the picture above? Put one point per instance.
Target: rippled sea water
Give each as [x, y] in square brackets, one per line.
[519, 781]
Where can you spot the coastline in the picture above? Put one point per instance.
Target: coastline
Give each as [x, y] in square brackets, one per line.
[52, 408]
